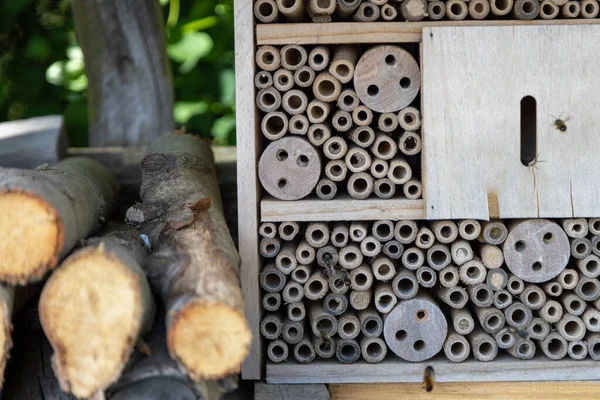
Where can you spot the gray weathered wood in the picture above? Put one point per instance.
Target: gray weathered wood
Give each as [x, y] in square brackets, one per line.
[32, 142]
[263, 391]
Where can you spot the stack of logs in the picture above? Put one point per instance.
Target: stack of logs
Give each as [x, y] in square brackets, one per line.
[319, 11]
[331, 123]
[359, 289]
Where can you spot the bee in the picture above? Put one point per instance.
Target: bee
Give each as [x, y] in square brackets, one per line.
[559, 123]
[428, 378]
[519, 332]
[332, 271]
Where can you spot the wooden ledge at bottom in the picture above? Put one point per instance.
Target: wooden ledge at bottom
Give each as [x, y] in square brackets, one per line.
[343, 208]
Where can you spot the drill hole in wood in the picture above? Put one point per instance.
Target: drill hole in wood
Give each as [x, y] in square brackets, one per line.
[422, 315]
[282, 183]
[282, 155]
[536, 266]
[401, 335]
[405, 82]
[520, 246]
[373, 91]
[419, 345]
[302, 161]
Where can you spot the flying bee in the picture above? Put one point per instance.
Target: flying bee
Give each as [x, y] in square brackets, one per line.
[559, 123]
[428, 378]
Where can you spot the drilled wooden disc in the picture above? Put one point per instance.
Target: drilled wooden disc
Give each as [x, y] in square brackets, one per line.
[387, 78]
[289, 168]
[536, 250]
[416, 329]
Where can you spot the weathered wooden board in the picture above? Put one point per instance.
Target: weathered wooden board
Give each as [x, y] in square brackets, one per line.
[342, 208]
[377, 32]
[472, 148]
[263, 391]
[503, 369]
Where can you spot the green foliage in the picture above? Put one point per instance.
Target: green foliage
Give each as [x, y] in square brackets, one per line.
[42, 68]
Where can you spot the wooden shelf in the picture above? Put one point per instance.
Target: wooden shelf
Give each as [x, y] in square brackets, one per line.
[343, 208]
[503, 369]
[377, 32]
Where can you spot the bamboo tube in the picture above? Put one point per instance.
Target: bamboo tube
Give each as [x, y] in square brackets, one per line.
[360, 185]
[497, 279]
[552, 288]
[373, 350]
[286, 258]
[570, 9]
[524, 349]
[573, 303]
[298, 125]
[336, 170]
[462, 320]
[272, 280]
[551, 312]
[361, 278]
[425, 238]
[387, 123]
[383, 268]
[371, 323]
[345, 8]
[588, 289]
[500, 8]
[305, 253]
[505, 338]
[288, 230]
[410, 143]
[581, 248]
[533, 297]
[335, 148]
[456, 10]
[317, 234]
[388, 12]
[271, 301]
[577, 350]
[385, 300]
[493, 232]
[267, 230]
[518, 315]
[327, 255]
[271, 326]
[469, 229]
[490, 318]
[483, 346]
[384, 188]
[304, 352]
[383, 230]
[347, 351]
[292, 292]
[318, 134]
[274, 125]
[268, 58]
[595, 240]
[436, 10]
[321, 323]
[413, 10]
[445, 231]
[343, 62]
[472, 272]
[479, 9]
[412, 190]
[348, 100]
[362, 136]
[337, 284]
[413, 258]
[294, 102]
[283, 80]
[316, 287]
[340, 234]
[370, 247]
[526, 9]
[405, 285]
[379, 2]
[461, 252]
[448, 277]
[367, 12]
[266, 11]
[324, 346]
[348, 326]
[263, 80]
[341, 121]
[575, 228]
[491, 256]
[591, 319]
[568, 279]
[405, 231]
[393, 249]
[399, 171]
[293, 10]
[350, 257]
[502, 299]
[335, 304]
[593, 342]
[358, 231]
[409, 119]
[318, 59]
[571, 327]
[555, 347]
[292, 332]
[362, 115]
[361, 300]
[301, 273]
[438, 256]
[320, 10]
[384, 147]
[427, 277]
[481, 295]
[455, 297]
[277, 351]
[326, 87]
[269, 248]
[594, 225]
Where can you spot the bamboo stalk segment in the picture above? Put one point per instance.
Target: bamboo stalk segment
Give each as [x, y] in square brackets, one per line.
[304, 352]
[410, 143]
[283, 80]
[335, 304]
[589, 9]
[572, 303]
[518, 315]
[570, 9]
[469, 229]
[425, 238]
[524, 349]
[362, 115]
[387, 122]
[461, 252]
[326, 189]
[577, 350]
[268, 57]
[321, 323]
[346, 8]
[539, 329]
[326, 87]
[271, 326]
[336, 171]
[348, 326]
[472, 272]
[576, 228]
[263, 80]
[448, 277]
[555, 347]
[341, 121]
[551, 312]
[405, 232]
[588, 289]
[347, 350]
[413, 258]
[361, 300]
[317, 112]
[483, 346]
[413, 190]
[371, 323]
[456, 10]
[502, 299]
[384, 188]
[456, 297]
[266, 11]
[324, 346]
[278, 351]
[367, 12]
[479, 9]
[436, 10]
[384, 298]
[456, 347]
[571, 327]
[497, 279]
[413, 10]
[343, 62]
[293, 292]
[361, 278]
[362, 136]
[320, 10]
[568, 279]
[409, 119]
[335, 148]
[271, 301]
[438, 256]
[358, 231]
[426, 277]
[316, 287]
[298, 125]
[272, 280]
[505, 338]
[268, 99]
[318, 59]
[293, 10]
[533, 297]
[384, 147]
[285, 261]
[296, 311]
[481, 295]
[594, 226]
[294, 102]
[360, 185]
[593, 342]
[591, 319]
[393, 249]
[500, 8]
[274, 125]
[337, 284]
[305, 253]
[373, 350]
[267, 230]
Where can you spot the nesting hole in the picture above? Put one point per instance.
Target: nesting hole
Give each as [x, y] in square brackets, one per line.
[405, 82]
[486, 349]
[520, 246]
[390, 60]
[419, 345]
[422, 315]
[548, 237]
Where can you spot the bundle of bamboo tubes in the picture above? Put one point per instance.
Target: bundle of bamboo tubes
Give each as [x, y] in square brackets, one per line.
[269, 11]
[355, 290]
[332, 126]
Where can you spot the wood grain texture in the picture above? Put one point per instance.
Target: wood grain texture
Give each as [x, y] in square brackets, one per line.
[248, 143]
[264, 391]
[32, 142]
[459, 66]
[342, 209]
[468, 391]
[375, 32]
[504, 369]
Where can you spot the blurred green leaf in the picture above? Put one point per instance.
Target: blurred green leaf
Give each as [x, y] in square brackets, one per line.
[222, 128]
[55, 73]
[38, 48]
[200, 24]
[183, 111]
[227, 86]
[190, 49]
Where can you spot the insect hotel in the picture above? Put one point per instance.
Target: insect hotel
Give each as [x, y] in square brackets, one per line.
[418, 187]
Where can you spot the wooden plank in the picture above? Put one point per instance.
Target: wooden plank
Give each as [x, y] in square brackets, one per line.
[31, 142]
[377, 32]
[248, 143]
[263, 391]
[503, 369]
[473, 138]
[343, 208]
[468, 391]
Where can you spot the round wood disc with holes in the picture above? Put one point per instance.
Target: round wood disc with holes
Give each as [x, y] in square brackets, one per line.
[289, 168]
[536, 250]
[416, 329]
[387, 78]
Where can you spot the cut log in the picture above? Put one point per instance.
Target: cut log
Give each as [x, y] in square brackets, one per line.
[93, 309]
[45, 212]
[195, 265]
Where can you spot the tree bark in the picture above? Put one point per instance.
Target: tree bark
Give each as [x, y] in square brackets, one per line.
[129, 82]
[195, 265]
[45, 212]
[93, 309]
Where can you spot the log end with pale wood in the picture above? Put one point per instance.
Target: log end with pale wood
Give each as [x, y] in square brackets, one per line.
[93, 308]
